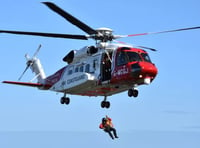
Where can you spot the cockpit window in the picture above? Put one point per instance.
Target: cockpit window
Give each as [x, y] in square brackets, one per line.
[129, 56]
[146, 57]
[133, 56]
[121, 58]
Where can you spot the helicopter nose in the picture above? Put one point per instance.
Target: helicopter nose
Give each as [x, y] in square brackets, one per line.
[145, 71]
[148, 69]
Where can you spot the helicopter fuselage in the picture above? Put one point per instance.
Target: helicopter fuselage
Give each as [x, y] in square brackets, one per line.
[105, 72]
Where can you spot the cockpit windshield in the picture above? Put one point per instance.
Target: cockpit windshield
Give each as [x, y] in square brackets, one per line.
[130, 56]
[146, 57]
[133, 56]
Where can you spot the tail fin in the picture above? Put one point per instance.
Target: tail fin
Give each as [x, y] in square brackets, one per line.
[37, 68]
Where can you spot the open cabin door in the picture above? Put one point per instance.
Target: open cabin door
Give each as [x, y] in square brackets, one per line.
[106, 66]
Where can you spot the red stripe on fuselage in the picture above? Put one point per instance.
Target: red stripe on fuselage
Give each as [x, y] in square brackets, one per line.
[51, 80]
[98, 91]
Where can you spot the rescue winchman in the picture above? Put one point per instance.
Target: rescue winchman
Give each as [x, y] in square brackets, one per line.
[108, 127]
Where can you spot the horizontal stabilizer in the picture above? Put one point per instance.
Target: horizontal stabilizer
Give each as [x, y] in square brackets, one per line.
[27, 84]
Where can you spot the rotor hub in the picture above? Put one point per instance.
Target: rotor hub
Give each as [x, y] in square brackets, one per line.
[103, 34]
[104, 30]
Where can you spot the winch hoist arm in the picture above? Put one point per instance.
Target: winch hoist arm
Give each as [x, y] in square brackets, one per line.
[107, 53]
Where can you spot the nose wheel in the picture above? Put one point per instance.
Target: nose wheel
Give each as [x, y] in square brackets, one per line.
[105, 104]
[133, 92]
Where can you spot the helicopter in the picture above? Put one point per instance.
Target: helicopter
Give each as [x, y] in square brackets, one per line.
[107, 68]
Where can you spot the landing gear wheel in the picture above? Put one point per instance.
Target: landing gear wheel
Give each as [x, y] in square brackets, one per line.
[133, 92]
[105, 104]
[130, 92]
[62, 100]
[65, 100]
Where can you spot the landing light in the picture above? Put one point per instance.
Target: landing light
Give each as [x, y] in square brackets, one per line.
[140, 76]
[147, 81]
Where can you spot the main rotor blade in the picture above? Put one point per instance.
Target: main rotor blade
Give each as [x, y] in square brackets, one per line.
[152, 49]
[71, 18]
[55, 35]
[182, 29]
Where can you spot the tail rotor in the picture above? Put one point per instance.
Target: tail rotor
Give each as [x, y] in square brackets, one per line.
[30, 61]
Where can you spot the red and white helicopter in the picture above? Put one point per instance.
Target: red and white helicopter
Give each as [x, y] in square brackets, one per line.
[102, 70]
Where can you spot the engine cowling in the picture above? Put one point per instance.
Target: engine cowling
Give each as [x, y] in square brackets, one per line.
[76, 55]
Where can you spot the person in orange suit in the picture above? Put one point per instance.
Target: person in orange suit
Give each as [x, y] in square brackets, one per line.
[108, 127]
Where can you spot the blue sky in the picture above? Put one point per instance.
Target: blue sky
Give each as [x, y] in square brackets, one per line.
[166, 113]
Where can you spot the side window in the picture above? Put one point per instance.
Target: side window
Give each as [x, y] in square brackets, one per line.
[81, 68]
[121, 58]
[87, 68]
[76, 69]
[70, 71]
[95, 64]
